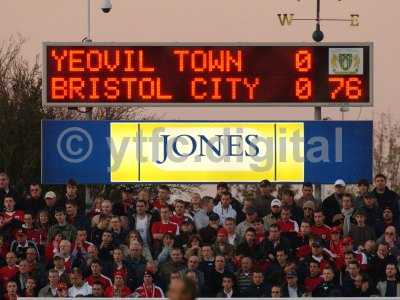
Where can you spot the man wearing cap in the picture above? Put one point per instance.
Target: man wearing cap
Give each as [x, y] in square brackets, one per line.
[119, 288]
[317, 253]
[275, 214]
[308, 209]
[385, 196]
[331, 204]
[361, 232]
[336, 245]
[263, 202]
[59, 267]
[362, 190]
[50, 200]
[251, 216]
[291, 289]
[209, 233]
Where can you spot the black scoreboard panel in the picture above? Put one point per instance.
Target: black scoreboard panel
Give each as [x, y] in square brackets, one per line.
[96, 74]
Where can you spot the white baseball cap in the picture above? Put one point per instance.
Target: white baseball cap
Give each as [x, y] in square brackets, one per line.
[50, 194]
[276, 202]
[340, 182]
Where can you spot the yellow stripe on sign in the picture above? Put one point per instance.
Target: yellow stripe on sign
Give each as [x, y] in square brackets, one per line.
[290, 152]
[123, 151]
[203, 164]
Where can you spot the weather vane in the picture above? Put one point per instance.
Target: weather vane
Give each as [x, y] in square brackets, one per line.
[288, 18]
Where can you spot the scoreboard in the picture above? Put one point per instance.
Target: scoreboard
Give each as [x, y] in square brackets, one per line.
[302, 74]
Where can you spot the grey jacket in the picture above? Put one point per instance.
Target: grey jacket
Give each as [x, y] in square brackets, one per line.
[45, 292]
[382, 285]
[200, 219]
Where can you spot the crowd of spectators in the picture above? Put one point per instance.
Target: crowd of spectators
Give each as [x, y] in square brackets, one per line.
[272, 244]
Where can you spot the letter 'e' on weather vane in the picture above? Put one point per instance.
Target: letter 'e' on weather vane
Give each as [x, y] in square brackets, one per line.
[286, 19]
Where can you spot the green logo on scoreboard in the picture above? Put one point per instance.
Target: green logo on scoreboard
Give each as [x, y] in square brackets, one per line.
[346, 61]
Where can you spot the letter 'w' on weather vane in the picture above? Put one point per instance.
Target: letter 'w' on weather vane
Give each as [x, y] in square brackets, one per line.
[286, 19]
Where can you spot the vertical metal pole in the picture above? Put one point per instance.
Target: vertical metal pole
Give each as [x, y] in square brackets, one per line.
[318, 117]
[88, 112]
[318, 110]
[89, 21]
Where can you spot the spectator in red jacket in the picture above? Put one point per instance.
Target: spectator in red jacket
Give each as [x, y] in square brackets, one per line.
[97, 276]
[10, 270]
[164, 225]
[32, 233]
[287, 226]
[148, 289]
[314, 278]
[62, 290]
[11, 215]
[320, 228]
[118, 289]
[162, 197]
